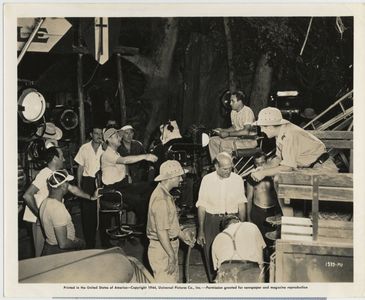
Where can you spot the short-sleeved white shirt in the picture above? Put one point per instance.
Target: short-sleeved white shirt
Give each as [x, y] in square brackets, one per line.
[54, 214]
[241, 118]
[111, 171]
[221, 195]
[249, 244]
[40, 182]
[90, 160]
[297, 147]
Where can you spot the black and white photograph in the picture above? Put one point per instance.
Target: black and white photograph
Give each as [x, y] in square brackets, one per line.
[186, 150]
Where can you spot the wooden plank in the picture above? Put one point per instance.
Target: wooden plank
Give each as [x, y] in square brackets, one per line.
[295, 191]
[335, 224]
[337, 180]
[336, 194]
[338, 144]
[322, 247]
[298, 178]
[279, 265]
[351, 168]
[335, 233]
[332, 134]
[339, 242]
[325, 193]
[315, 207]
[295, 237]
[301, 178]
[292, 229]
[296, 221]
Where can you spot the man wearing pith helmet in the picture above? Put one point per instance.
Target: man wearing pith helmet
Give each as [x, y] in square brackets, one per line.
[163, 229]
[296, 149]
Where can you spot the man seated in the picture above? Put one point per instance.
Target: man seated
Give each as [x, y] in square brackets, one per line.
[228, 140]
[55, 219]
[237, 252]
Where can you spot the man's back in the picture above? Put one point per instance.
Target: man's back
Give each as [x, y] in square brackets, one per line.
[240, 241]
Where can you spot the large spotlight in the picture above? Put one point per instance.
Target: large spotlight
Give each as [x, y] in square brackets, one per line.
[65, 117]
[31, 105]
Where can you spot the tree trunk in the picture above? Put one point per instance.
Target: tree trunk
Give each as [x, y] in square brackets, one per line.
[231, 72]
[261, 85]
[192, 80]
[157, 70]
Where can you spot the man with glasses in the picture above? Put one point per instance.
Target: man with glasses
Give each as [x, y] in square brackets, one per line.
[228, 139]
[221, 192]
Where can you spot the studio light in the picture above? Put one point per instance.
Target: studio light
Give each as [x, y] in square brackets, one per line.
[31, 105]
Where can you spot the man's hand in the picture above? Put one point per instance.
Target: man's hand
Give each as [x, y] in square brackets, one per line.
[171, 265]
[201, 238]
[80, 244]
[151, 157]
[223, 134]
[96, 195]
[258, 175]
[188, 237]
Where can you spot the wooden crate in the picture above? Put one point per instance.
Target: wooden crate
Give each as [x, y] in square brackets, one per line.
[309, 261]
[296, 185]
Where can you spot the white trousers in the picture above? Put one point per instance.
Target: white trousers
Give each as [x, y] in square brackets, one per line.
[228, 144]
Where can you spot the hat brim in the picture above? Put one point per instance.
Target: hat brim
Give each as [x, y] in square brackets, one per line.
[107, 138]
[70, 178]
[57, 136]
[126, 127]
[166, 176]
[270, 123]
[308, 117]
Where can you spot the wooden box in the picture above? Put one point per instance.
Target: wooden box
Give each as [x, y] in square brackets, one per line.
[309, 261]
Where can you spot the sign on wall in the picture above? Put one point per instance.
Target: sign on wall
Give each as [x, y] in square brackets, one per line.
[51, 31]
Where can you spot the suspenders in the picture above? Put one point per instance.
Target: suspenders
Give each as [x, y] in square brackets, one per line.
[233, 238]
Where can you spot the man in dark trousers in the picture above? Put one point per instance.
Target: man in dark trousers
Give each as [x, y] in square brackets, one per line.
[88, 159]
[221, 192]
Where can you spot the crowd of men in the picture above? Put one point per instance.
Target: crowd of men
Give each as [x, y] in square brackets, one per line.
[231, 214]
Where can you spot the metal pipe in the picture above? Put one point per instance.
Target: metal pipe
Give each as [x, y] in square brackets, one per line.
[30, 39]
[80, 89]
[123, 108]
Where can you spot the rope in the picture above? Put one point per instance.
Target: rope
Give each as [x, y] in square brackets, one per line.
[306, 36]
[339, 26]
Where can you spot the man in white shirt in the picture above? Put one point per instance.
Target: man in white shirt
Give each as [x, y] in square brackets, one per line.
[38, 191]
[113, 166]
[237, 252]
[221, 192]
[56, 220]
[88, 159]
[228, 139]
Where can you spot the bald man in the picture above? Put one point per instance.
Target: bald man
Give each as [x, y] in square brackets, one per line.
[221, 192]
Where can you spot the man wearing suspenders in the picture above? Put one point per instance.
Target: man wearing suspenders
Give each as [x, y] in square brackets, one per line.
[237, 252]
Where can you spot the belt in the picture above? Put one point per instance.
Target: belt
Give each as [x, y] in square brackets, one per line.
[223, 215]
[171, 239]
[321, 159]
[241, 262]
[264, 208]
